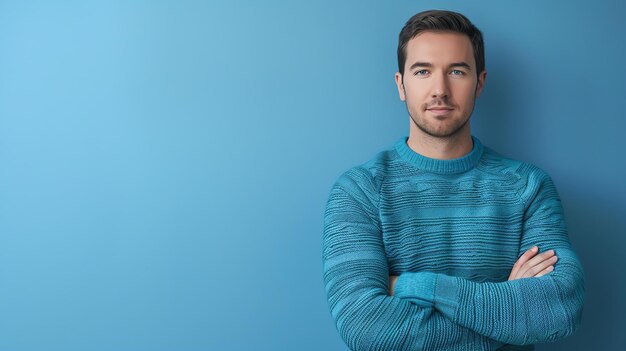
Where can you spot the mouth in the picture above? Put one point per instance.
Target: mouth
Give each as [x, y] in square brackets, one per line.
[439, 110]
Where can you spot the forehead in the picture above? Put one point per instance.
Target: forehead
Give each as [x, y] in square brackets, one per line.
[440, 48]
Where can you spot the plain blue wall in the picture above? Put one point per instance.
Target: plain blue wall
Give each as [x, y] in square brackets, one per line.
[164, 166]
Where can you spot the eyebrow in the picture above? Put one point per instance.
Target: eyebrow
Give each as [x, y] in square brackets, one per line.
[453, 64]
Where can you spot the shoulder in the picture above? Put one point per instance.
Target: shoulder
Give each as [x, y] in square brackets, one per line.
[495, 162]
[370, 173]
[529, 178]
[363, 181]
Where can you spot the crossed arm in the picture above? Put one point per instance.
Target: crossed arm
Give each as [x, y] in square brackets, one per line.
[543, 307]
[529, 265]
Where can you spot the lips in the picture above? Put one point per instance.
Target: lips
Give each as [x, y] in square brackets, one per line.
[440, 110]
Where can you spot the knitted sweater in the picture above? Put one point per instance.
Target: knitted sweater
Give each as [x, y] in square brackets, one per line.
[451, 230]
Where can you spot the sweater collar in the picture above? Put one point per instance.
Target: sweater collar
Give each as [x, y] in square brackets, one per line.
[456, 165]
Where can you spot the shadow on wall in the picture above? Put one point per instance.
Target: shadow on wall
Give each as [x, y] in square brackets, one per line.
[596, 229]
[494, 118]
[498, 117]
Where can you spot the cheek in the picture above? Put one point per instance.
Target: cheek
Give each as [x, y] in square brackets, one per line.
[415, 92]
[467, 95]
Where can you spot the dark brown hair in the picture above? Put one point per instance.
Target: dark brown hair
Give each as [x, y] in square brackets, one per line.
[441, 20]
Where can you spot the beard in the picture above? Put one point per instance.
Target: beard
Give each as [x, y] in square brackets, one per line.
[446, 132]
[447, 128]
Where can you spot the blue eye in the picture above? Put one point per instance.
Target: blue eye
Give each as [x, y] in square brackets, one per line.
[458, 72]
[420, 72]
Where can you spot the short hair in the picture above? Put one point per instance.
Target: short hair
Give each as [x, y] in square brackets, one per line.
[443, 21]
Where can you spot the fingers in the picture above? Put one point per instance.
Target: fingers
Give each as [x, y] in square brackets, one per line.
[531, 264]
[522, 260]
[545, 271]
[537, 264]
[541, 267]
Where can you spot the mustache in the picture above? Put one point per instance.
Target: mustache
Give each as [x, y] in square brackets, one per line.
[437, 103]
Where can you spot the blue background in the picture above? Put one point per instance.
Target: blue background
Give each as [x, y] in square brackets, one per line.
[164, 165]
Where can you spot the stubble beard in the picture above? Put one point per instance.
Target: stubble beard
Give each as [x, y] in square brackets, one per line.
[445, 133]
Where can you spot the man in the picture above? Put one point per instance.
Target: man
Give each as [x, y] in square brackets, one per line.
[434, 244]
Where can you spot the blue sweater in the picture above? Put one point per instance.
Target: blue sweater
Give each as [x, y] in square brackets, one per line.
[451, 230]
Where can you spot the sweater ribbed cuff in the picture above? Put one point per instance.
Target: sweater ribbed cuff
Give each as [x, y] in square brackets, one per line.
[418, 287]
[446, 295]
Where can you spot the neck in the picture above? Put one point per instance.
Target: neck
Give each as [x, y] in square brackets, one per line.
[443, 148]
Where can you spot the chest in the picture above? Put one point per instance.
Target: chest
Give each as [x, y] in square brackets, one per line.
[469, 227]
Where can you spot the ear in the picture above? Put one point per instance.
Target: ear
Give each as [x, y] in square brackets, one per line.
[400, 85]
[481, 82]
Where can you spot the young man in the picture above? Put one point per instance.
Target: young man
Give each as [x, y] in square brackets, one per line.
[434, 244]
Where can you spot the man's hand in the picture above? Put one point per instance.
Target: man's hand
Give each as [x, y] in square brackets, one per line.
[532, 265]
[527, 266]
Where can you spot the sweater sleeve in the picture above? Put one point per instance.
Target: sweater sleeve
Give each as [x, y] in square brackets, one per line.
[356, 278]
[522, 311]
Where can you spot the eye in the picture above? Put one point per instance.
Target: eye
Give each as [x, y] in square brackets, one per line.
[420, 72]
[456, 72]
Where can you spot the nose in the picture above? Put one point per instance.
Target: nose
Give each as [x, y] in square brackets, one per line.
[440, 86]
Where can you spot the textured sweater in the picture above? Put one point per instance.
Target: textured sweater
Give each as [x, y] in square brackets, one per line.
[452, 230]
